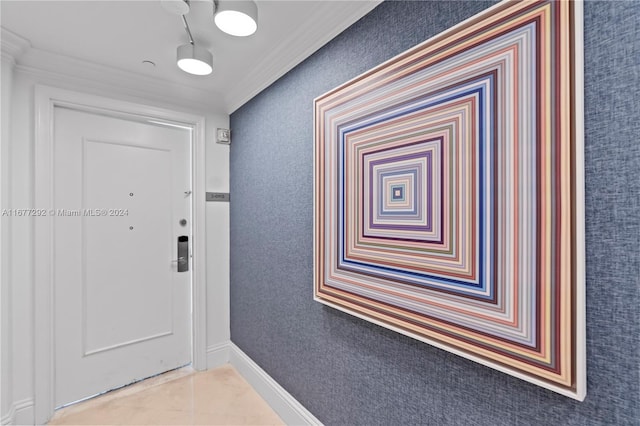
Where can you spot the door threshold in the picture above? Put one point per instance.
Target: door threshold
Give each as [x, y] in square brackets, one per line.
[137, 385]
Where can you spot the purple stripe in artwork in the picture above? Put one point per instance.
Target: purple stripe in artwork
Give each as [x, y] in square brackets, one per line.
[418, 189]
[416, 172]
[417, 195]
[418, 202]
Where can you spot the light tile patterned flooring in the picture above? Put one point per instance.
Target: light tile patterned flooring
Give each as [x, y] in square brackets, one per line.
[215, 397]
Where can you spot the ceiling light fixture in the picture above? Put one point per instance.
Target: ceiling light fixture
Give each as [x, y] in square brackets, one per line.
[237, 17]
[194, 59]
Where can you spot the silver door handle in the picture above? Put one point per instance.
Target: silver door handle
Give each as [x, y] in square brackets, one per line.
[180, 259]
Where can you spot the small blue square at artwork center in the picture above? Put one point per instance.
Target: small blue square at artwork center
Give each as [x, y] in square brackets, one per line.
[397, 193]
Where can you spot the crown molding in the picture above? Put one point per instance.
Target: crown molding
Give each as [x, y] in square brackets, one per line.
[43, 63]
[12, 45]
[73, 71]
[306, 40]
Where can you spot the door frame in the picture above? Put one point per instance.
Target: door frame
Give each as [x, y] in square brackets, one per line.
[46, 99]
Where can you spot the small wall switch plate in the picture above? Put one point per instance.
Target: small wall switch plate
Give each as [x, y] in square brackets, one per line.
[224, 136]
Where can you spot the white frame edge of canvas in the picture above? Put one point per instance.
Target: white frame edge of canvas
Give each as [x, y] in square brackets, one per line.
[580, 292]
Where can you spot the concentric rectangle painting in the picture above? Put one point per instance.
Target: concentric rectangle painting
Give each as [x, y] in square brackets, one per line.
[448, 193]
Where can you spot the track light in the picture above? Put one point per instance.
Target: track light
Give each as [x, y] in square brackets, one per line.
[195, 59]
[237, 17]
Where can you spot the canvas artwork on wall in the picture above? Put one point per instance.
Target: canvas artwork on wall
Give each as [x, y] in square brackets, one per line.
[449, 199]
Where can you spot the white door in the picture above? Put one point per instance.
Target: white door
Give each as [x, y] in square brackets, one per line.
[122, 195]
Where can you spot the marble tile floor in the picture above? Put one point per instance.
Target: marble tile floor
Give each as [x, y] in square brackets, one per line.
[219, 396]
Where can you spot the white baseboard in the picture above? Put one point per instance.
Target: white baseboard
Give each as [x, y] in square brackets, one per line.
[282, 402]
[20, 413]
[218, 355]
[7, 419]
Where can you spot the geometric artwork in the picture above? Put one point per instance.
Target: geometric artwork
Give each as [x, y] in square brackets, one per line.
[448, 193]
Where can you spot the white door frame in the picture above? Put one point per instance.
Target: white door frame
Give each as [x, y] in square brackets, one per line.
[46, 99]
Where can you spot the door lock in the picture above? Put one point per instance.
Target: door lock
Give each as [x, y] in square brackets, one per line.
[183, 254]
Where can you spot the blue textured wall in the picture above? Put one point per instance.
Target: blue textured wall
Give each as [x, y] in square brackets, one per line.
[347, 371]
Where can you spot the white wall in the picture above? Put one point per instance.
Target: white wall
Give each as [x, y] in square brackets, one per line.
[17, 327]
[218, 330]
[5, 306]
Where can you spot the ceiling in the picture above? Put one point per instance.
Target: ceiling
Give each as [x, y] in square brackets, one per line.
[117, 36]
